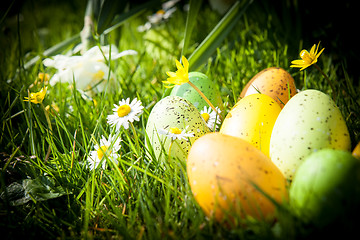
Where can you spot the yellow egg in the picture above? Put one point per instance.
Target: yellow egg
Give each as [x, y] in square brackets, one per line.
[274, 82]
[252, 119]
[223, 171]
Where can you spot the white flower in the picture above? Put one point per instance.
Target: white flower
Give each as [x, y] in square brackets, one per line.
[125, 112]
[175, 133]
[210, 116]
[168, 8]
[108, 147]
[88, 71]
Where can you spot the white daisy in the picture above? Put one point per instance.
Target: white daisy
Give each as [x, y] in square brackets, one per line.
[125, 112]
[210, 116]
[168, 8]
[108, 147]
[176, 133]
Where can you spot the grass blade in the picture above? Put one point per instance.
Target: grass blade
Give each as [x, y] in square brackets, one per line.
[194, 7]
[108, 10]
[217, 35]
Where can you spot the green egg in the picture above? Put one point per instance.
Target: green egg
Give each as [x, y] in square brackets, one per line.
[173, 112]
[206, 86]
[309, 121]
[326, 187]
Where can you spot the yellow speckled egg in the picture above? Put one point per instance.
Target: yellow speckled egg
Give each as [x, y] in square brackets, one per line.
[274, 82]
[252, 119]
[173, 124]
[310, 121]
[225, 174]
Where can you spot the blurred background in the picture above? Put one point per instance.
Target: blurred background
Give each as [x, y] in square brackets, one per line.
[293, 22]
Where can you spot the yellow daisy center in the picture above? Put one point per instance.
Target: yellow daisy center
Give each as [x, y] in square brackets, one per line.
[123, 110]
[175, 130]
[100, 152]
[206, 116]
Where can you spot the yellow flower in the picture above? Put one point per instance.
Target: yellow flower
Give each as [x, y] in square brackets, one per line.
[307, 59]
[181, 76]
[43, 77]
[37, 97]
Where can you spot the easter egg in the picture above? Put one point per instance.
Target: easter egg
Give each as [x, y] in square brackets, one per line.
[170, 119]
[252, 119]
[274, 82]
[326, 186]
[229, 178]
[356, 151]
[205, 85]
[310, 121]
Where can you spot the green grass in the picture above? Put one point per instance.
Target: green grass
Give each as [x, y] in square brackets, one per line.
[142, 197]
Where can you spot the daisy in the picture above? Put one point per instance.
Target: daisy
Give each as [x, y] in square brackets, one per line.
[168, 8]
[211, 117]
[176, 133]
[125, 112]
[108, 147]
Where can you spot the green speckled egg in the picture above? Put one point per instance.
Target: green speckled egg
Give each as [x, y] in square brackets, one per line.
[310, 121]
[173, 112]
[206, 86]
[326, 187]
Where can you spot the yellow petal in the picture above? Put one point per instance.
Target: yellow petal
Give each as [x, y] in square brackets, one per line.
[185, 63]
[312, 50]
[298, 62]
[178, 65]
[318, 55]
[171, 74]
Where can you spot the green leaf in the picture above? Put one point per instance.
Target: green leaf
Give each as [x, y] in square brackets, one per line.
[217, 35]
[39, 189]
[108, 10]
[194, 7]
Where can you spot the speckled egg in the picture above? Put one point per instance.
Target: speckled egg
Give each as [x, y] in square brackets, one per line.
[171, 113]
[252, 119]
[206, 86]
[310, 121]
[326, 186]
[356, 151]
[225, 174]
[274, 82]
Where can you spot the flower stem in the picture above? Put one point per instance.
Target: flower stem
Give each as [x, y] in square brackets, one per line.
[49, 124]
[205, 98]
[169, 154]
[328, 80]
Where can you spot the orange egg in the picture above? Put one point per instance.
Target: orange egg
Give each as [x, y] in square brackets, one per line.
[225, 174]
[274, 82]
[356, 151]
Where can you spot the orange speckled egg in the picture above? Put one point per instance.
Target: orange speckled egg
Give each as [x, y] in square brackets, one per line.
[274, 82]
[225, 174]
[356, 151]
[252, 119]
